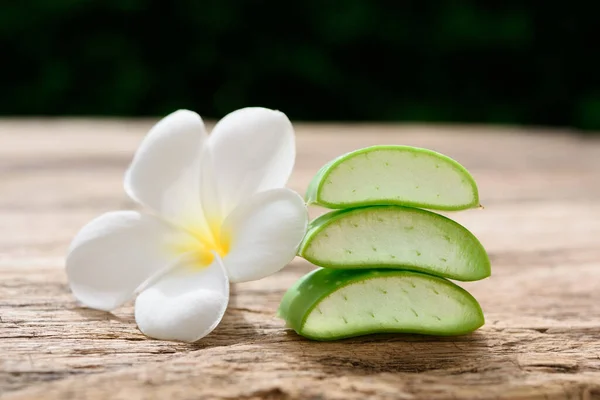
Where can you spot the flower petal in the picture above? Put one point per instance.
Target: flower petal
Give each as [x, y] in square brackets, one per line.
[186, 304]
[115, 253]
[265, 234]
[165, 172]
[253, 150]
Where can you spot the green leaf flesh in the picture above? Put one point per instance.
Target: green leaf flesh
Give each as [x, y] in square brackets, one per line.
[331, 304]
[394, 175]
[395, 237]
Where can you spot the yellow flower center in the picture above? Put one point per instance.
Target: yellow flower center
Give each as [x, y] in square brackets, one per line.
[206, 243]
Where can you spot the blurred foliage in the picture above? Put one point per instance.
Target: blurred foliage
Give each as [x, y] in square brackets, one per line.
[503, 62]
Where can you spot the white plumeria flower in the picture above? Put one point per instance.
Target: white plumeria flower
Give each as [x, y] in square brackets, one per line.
[220, 214]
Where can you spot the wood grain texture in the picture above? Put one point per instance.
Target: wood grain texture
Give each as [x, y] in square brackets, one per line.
[541, 226]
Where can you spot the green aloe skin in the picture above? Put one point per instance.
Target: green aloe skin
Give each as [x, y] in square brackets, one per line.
[395, 237]
[329, 304]
[394, 175]
[386, 259]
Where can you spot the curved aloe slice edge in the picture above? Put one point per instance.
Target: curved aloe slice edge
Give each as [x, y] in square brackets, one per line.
[401, 176]
[395, 237]
[335, 304]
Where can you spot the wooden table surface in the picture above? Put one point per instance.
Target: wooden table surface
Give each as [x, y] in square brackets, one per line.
[541, 226]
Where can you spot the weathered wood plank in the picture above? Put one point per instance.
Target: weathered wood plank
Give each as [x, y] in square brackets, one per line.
[541, 226]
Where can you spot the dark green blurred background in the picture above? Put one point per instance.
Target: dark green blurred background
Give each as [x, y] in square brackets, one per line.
[509, 62]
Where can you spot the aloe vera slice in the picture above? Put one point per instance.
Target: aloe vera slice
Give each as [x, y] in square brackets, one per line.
[400, 175]
[331, 304]
[395, 237]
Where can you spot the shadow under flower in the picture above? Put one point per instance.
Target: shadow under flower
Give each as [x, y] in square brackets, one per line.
[233, 329]
[99, 315]
[121, 324]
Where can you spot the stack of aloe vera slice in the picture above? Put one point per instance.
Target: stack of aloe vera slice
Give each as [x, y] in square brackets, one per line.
[385, 260]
